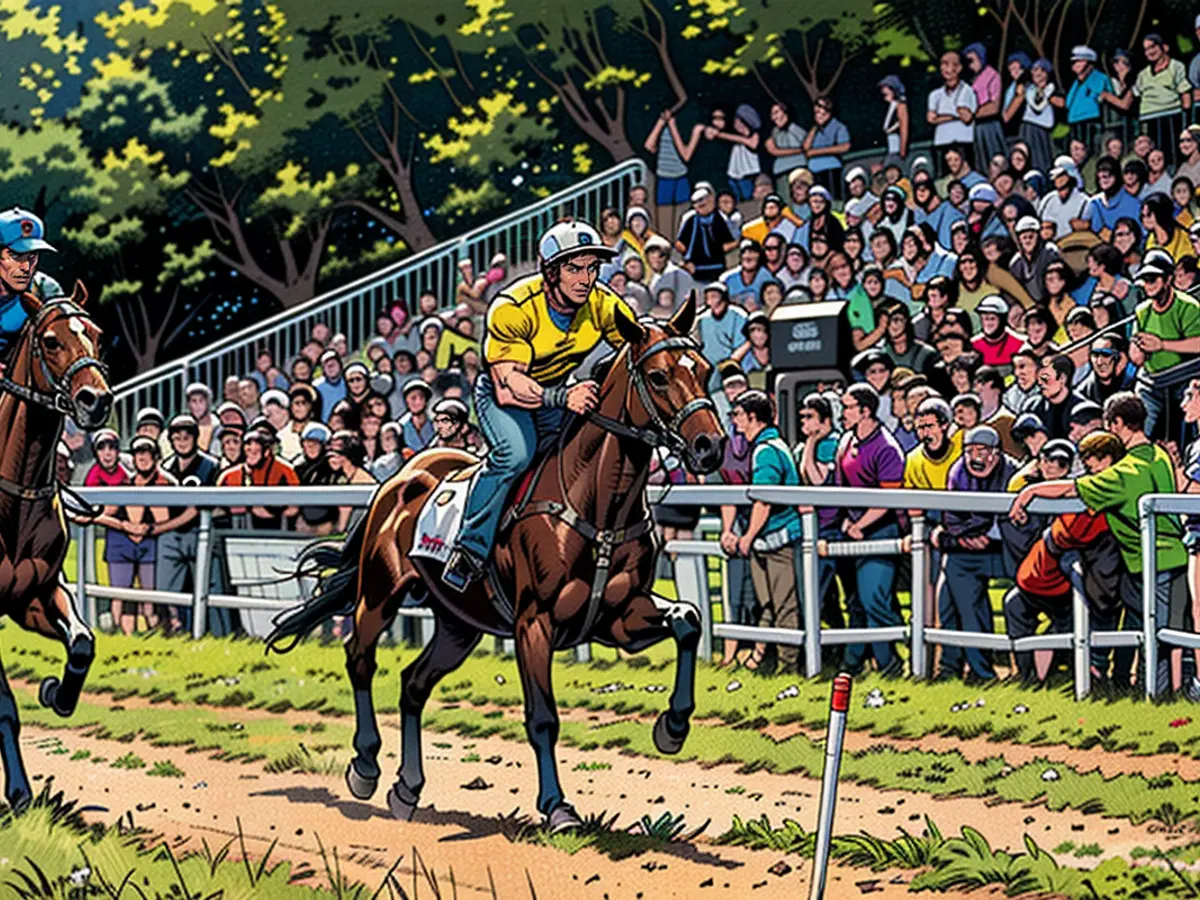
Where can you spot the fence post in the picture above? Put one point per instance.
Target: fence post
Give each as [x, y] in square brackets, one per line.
[202, 575]
[1149, 576]
[85, 607]
[919, 663]
[1081, 636]
[811, 600]
[705, 648]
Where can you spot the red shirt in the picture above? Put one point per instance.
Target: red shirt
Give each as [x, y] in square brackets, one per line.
[1040, 573]
[98, 476]
[1000, 352]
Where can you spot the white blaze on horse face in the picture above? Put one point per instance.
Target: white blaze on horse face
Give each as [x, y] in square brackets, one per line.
[79, 329]
[687, 362]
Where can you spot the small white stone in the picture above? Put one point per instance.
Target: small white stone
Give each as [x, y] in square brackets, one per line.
[733, 686]
[1050, 775]
[979, 702]
[499, 679]
[1020, 709]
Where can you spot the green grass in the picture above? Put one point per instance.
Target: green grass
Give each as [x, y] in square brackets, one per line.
[164, 768]
[598, 833]
[129, 761]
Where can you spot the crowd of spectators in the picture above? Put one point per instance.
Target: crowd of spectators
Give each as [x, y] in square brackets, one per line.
[1022, 312]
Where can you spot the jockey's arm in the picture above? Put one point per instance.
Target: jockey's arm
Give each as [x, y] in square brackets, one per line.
[514, 387]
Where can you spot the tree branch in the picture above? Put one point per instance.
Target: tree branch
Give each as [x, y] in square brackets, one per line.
[436, 67]
[228, 61]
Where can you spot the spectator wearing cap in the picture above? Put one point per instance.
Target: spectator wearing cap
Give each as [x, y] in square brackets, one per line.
[1110, 370]
[754, 356]
[1042, 587]
[22, 241]
[952, 107]
[971, 548]
[983, 218]
[331, 386]
[996, 342]
[198, 397]
[313, 468]
[1057, 399]
[1117, 490]
[664, 274]
[875, 368]
[927, 465]
[276, 410]
[231, 446]
[357, 378]
[825, 143]
[799, 182]
[1082, 101]
[415, 425]
[776, 218]
[1164, 91]
[704, 236]
[719, 328]
[1086, 418]
[1066, 206]
[869, 457]
[230, 417]
[745, 282]
[1033, 256]
[862, 206]
[823, 224]
[151, 423]
[260, 468]
[985, 82]
[1167, 332]
[1113, 201]
[453, 428]
[175, 554]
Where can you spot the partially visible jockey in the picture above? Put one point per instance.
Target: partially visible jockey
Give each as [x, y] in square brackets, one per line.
[22, 239]
[538, 330]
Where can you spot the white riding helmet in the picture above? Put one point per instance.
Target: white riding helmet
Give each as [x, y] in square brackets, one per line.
[569, 237]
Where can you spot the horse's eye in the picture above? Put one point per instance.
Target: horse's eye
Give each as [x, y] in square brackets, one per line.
[658, 379]
[50, 342]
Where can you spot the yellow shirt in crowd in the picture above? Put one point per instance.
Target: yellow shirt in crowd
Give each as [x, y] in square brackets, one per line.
[924, 474]
[521, 330]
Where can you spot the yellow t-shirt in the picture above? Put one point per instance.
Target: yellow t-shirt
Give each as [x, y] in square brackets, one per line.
[1179, 246]
[924, 474]
[519, 329]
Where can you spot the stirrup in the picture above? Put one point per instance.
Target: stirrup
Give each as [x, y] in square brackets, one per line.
[462, 568]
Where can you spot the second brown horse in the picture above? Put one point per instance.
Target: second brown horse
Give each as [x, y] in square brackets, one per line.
[575, 563]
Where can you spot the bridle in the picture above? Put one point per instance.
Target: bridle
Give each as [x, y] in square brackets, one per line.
[58, 399]
[660, 433]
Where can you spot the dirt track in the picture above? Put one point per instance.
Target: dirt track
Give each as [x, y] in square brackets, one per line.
[461, 827]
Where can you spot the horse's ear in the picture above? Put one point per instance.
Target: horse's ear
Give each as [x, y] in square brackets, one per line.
[684, 319]
[80, 294]
[630, 330]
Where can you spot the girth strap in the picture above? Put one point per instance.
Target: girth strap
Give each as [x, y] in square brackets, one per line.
[22, 492]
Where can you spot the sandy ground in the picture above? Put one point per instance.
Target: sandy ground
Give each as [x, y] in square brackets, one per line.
[459, 826]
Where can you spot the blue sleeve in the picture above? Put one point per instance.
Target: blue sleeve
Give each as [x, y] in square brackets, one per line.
[827, 451]
[842, 134]
[765, 467]
[1095, 214]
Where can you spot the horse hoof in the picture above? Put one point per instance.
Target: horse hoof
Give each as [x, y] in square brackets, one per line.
[48, 693]
[20, 802]
[402, 811]
[666, 742]
[362, 788]
[563, 818]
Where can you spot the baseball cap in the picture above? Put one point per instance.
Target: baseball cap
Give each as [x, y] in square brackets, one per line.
[453, 408]
[184, 422]
[772, 198]
[568, 237]
[141, 442]
[303, 389]
[993, 303]
[149, 415]
[1028, 223]
[1085, 411]
[801, 174]
[1087, 54]
[856, 172]
[702, 190]
[416, 384]
[23, 232]
[758, 317]
[1027, 424]
[260, 436]
[983, 436]
[1059, 450]
[358, 367]
[821, 191]
[315, 431]
[749, 244]
[983, 192]
[717, 286]
[198, 387]
[1057, 171]
[1156, 263]
[657, 242]
[105, 436]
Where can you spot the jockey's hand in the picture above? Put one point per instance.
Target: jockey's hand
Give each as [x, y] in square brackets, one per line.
[583, 397]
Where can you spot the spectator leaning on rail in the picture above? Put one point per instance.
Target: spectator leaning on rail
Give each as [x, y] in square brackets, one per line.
[869, 457]
[773, 530]
[175, 556]
[1145, 469]
[261, 469]
[971, 551]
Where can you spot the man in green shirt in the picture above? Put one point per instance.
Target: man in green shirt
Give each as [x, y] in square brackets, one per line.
[1145, 469]
[1167, 333]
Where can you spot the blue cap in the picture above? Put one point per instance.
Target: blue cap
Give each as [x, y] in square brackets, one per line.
[315, 431]
[22, 232]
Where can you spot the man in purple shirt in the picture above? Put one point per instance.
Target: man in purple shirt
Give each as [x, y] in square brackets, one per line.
[869, 457]
[971, 552]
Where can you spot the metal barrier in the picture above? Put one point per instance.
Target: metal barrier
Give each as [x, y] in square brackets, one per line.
[1149, 509]
[352, 308]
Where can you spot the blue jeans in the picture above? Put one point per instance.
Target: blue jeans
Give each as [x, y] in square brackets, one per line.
[742, 188]
[964, 605]
[876, 577]
[513, 435]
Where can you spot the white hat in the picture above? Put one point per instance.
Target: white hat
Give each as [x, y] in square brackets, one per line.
[1085, 53]
[983, 192]
[856, 172]
[273, 396]
[1028, 223]
[657, 242]
[703, 189]
[993, 303]
[570, 237]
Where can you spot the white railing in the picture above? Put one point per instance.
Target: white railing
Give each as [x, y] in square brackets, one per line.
[691, 571]
[352, 308]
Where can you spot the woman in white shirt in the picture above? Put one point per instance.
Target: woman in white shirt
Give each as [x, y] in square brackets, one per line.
[1038, 119]
[895, 120]
[743, 156]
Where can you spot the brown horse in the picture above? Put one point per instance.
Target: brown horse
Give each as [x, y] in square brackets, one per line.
[574, 562]
[51, 371]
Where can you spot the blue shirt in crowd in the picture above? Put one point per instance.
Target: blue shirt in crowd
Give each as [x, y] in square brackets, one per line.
[416, 439]
[1083, 103]
[331, 393]
[1103, 213]
[771, 463]
[738, 288]
[831, 135]
[940, 220]
[720, 337]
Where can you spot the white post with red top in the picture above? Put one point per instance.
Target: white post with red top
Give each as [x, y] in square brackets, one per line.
[839, 704]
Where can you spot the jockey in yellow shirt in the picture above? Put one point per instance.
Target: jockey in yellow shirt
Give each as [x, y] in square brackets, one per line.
[538, 330]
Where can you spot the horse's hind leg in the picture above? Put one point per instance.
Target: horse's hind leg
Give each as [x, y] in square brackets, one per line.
[649, 619]
[57, 618]
[452, 643]
[16, 784]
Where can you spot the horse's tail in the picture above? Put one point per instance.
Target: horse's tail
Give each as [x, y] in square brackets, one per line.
[335, 594]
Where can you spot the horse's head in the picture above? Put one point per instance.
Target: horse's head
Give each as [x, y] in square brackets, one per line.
[64, 342]
[670, 379]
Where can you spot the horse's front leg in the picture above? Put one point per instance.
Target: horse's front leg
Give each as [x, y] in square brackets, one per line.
[56, 618]
[535, 652]
[647, 620]
[16, 783]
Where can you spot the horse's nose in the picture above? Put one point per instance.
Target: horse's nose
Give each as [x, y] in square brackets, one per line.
[707, 451]
[92, 406]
